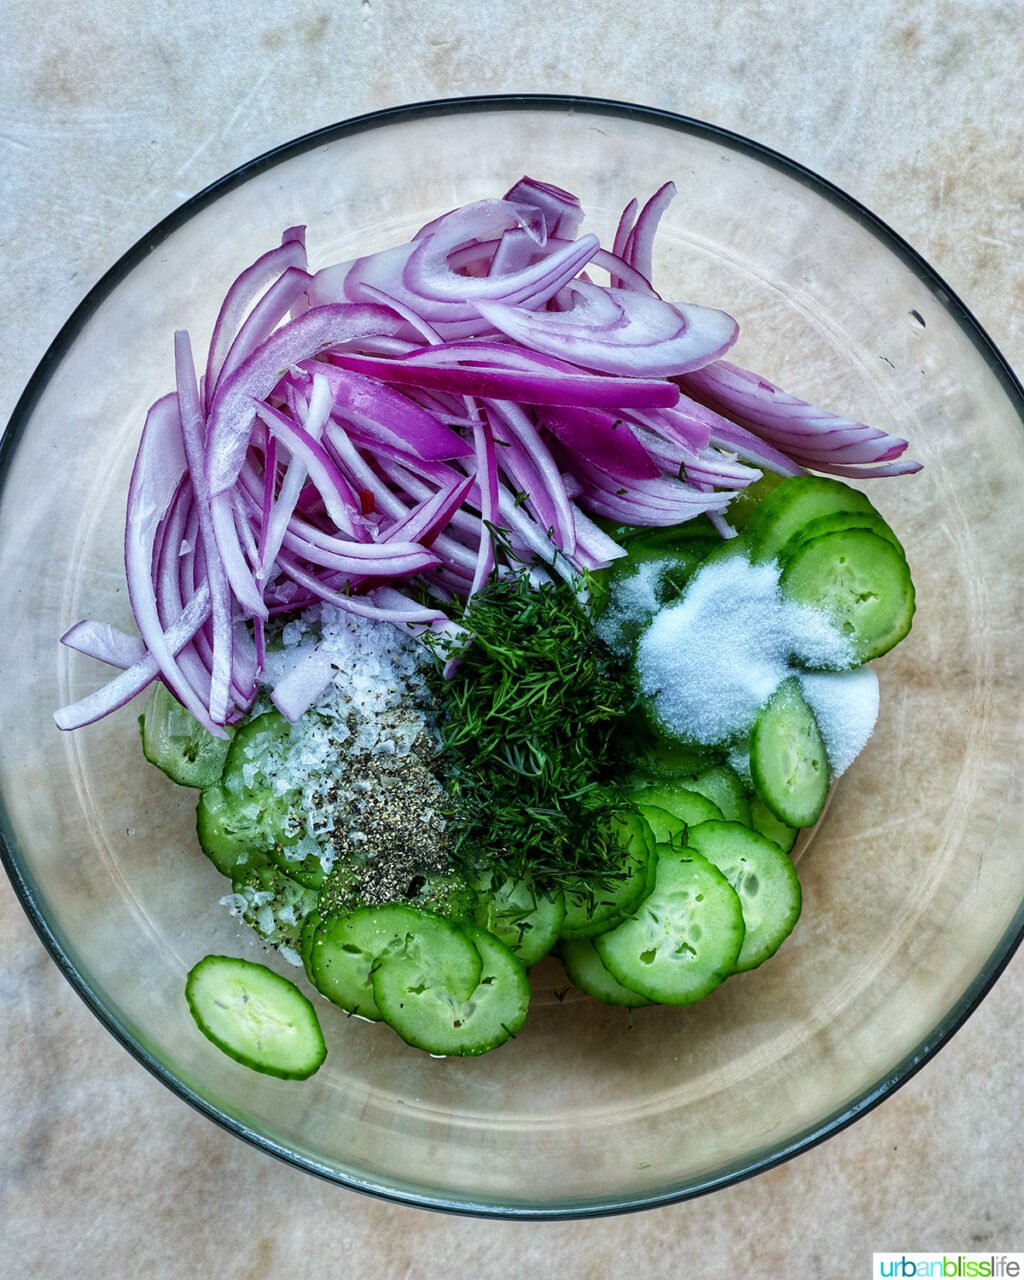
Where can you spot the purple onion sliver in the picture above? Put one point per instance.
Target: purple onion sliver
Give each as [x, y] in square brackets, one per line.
[105, 643]
[124, 687]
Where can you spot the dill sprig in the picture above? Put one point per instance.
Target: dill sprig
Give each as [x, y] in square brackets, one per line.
[527, 724]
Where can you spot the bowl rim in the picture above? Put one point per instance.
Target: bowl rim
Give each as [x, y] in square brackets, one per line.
[21, 879]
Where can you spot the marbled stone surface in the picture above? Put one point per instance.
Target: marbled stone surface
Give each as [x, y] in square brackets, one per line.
[110, 115]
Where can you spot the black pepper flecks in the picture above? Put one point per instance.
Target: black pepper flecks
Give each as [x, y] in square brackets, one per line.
[389, 832]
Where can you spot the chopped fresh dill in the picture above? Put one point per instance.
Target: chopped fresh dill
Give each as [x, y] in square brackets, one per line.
[528, 725]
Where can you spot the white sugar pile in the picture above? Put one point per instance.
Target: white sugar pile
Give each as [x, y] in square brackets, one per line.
[845, 705]
[710, 661]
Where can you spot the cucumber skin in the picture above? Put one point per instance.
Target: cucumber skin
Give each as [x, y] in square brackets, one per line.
[888, 560]
[762, 759]
[717, 841]
[678, 865]
[580, 959]
[239, 1056]
[772, 524]
[491, 950]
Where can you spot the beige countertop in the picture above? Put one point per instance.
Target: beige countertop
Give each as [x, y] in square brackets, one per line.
[110, 115]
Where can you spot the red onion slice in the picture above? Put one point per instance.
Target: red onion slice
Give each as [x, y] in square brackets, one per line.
[619, 331]
[232, 414]
[809, 436]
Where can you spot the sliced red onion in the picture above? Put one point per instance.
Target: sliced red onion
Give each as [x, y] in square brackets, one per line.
[527, 461]
[523, 376]
[159, 467]
[619, 331]
[264, 318]
[317, 412]
[124, 687]
[595, 549]
[105, 643]
[640, 250]
[561, 209]
[622, 232]
[193, 435]
[515, 251]
[291, 253]
[387, 415]
[232, 414]
[606, 441]
[809, 436]
[341, 503]
[423, 524]
[411, 317]
[487, 484]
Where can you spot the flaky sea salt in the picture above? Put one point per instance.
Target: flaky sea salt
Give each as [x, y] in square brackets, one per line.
[710, 661]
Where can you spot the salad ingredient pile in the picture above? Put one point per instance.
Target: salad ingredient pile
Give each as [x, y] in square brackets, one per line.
[493, 613]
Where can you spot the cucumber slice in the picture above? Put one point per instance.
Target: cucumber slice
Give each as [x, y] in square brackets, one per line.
[526, 919]
[860, 582]
[585, 970]
[839, 522]
[243, 816]
[764, 879]
[417, 1002]
[746, 501]
[665, 827]
[589, 912]
[682, 802]
[256, 1017]
[794, 503]
[273, 904]
[175, 741]
[684, 939]
[724, 787]
[346, 949]
[306, 940]
[654, 756]
[765, 823]
[788, 762]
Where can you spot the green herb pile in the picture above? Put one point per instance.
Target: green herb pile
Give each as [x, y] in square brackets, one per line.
[529, 726]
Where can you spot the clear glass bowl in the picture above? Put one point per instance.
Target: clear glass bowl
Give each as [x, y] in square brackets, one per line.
[914, 880]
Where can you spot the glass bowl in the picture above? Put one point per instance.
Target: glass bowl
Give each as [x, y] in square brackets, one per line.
[913, 881]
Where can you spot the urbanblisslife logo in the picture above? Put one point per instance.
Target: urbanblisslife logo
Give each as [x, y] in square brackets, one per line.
[950, 1266]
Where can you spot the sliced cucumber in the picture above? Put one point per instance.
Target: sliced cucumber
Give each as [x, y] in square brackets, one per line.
[416, 1000]
[723, 786]
[684, 803]
[860, 582]
[765, 823]
[684, 939]
[589, 912]
[839, 522]
[256, 1017]
[175, 741]
[656, 757]
[584, 969]
[746, 502]
[793, 504]
[788, 762]
[243, 818]
[764, 879]
[346, 949]
[527, 920]
[665, 827]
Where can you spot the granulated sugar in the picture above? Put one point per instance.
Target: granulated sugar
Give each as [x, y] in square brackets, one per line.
[710, 661]
[845, 705]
